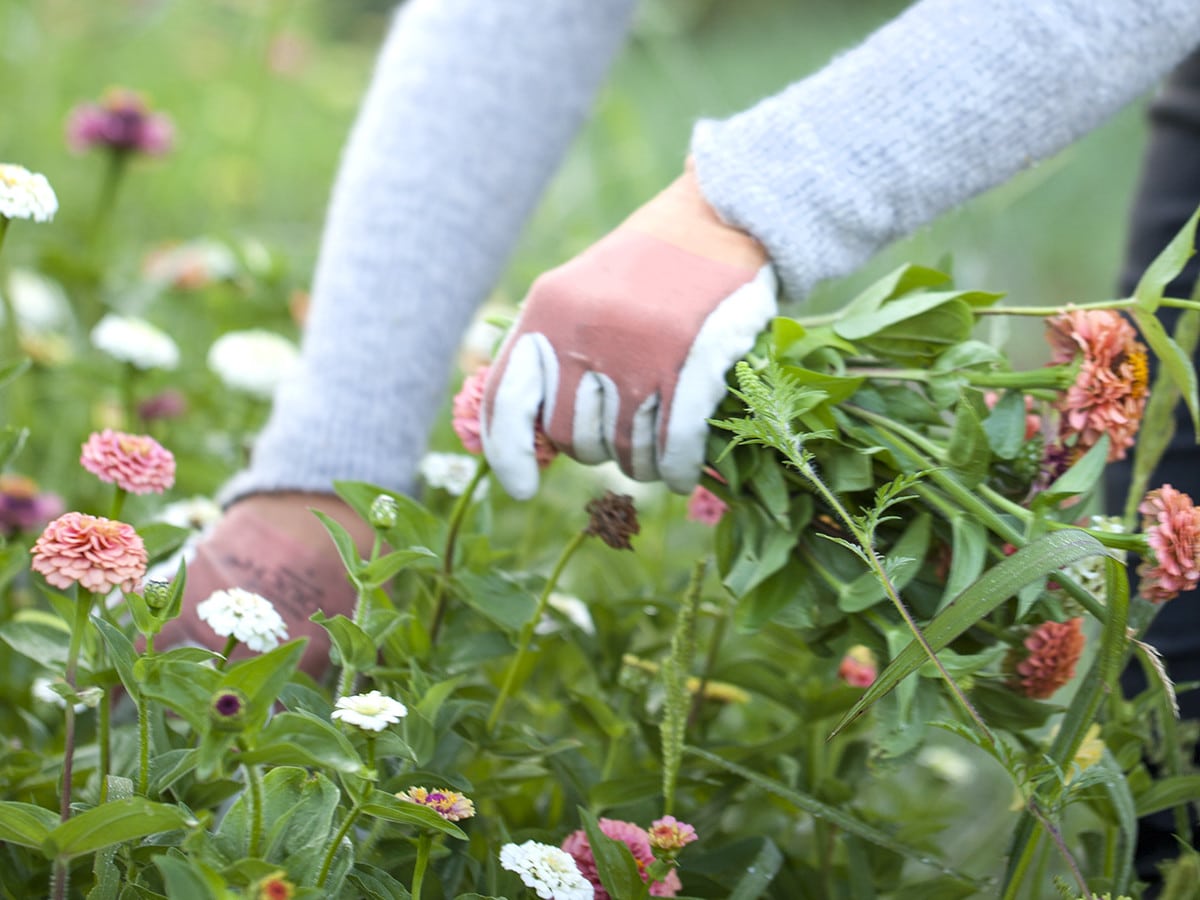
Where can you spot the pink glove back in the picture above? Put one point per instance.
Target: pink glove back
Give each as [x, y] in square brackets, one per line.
[621, 354]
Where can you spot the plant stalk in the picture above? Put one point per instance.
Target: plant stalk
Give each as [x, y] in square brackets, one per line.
[457, 515]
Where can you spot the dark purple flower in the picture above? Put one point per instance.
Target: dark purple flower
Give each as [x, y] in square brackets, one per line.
[168, 404]
[122, 122]
[23, 508]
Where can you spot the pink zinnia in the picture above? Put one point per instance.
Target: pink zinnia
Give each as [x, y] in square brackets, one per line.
[1110, 391]
[122, 122]
[450, 805]
[465, 414]
[705, 507]
[858, 667]
[1172, 526]
[97, 553]
[134, 462]
[1053, 650]
[638, 842]
[670, 835]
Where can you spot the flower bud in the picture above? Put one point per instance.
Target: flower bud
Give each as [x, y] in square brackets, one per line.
[157, 594]
[383, 513]
[227, 710]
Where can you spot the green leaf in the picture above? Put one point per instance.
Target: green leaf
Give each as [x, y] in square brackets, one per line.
[615, 864]
[1176, 364]
[381, 571]
[967, 557]
[1167, 793]
[25, 823]
[261, 678]
[346, 548]
[302, 739]
[761, 548]
[833, 814]
[498, 597]
[12, 442]
[1082, 477]
[909, 551]
[162, 540]
[124, 656]
[1166, 267]
[391, 808]
[792, 346]
[353, 645]
[1005, 426]
[759, 874]
[113, 823]
[13, 370]
[968, 454]
[968, 355]
[43, 639]
[182, 686]
[1045, 555]
[896, 283]
[876, 322]
[415, 525]
[190, 878]
[922, 338]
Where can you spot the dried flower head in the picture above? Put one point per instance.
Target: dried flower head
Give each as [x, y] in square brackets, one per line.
[23, 507]
[1171, 523]
[133, 462]
[25, 194]
[121, 122]
[371, 712]
[549, 872]
[1110, 390]
[705, 507]
[858, 667]
[670, 835]
[244, 616]
[255, 361]
[613, 520]
[135, 341]
[1052, 651]
[450, 805]
[638, 842]
[97, 553]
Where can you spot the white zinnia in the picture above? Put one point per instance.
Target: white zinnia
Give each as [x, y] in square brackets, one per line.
[40, 303]
[572, 608]
[198, 513]
[452, 472]
[549, 871]
[133, 340]
[254, 361]
[244, 615]
[25, 194]
[371, 712]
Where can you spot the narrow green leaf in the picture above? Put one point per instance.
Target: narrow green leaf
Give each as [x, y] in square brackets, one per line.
[25, 823]
[968, 453]
[13, 370]
[1045, 555]
[1167, 793]
[384, 569]
[1166, 267]
[261, 678]
[759, 874]
[346, 548]
[391, 808]
[899, 281]
[1080, 478]
[113, 823]
[909, 551]
[302, 739]
[1175, 363]
[12, 442]
[968, 555]
[615, 864]
[353, 645]
[124, 656]
[161, 539]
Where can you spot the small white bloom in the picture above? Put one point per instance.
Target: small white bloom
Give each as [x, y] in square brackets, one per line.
[550, 872]
[1090, 571]
[254, 361]
[89, 698]
[40, 303]
[244, 615]
[197, 513]
[133, 340]
[573, 609]
[452, 472]
[371, 712]
[190, 264]
[945, 763]
[25, 194]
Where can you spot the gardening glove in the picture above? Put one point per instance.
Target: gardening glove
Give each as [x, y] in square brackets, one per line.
[622, 352]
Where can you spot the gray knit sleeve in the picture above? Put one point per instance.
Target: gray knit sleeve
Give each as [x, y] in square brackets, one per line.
[945, 101]
[470, 110]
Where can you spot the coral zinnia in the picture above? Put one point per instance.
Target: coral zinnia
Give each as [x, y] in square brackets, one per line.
[1053, 650]
[134, 462]
[97, 553]
[1110, 390]
[1172, 526]
[465, 418]
[705, 507]
[638, 842]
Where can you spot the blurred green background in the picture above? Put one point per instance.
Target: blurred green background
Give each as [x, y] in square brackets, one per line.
[263, 92]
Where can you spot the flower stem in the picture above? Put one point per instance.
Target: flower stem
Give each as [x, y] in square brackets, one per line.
[1044, 311]
[82, 609]
[230, 643]
[143, 740]
[424, 843]
[254, 780]
[526, 634]
[349, 673]
[456, 519]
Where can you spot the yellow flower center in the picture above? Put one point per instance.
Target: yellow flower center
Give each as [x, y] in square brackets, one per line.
[1141, 373]
[132, 445]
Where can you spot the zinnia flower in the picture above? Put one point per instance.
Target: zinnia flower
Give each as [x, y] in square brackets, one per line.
[1171, 523]
[25, 194]
[245, 616]
[97, 553]
[122, 122]
[638, 842]
[549, 872]
[705, 507]
[190, 266]
[450, 805]
[670, 835]
[1110, 390]
[276, 887]
[254, 361]
[465, 416]
[371, 712]
[613, 520]
[23, 507]
[859, 668]
[133, 462]
[40, 303]
[452, 472]
[168, 404]
[1053, 650]
[135, 341]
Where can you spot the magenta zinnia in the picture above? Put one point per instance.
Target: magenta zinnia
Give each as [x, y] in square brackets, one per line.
[1110, 390]
[23, 507]
[705, 507]
[98, 553]
[670, 835]
[450, 805]
[638, 842]
[1171, 523]
[121, 122]
[1052, 650]
[135, 463]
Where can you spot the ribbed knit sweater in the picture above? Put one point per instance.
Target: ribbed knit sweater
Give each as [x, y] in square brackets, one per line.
[472, 106]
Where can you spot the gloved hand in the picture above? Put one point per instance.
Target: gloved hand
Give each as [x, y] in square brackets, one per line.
[622, 352]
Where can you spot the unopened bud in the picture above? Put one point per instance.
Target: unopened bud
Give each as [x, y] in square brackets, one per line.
[383, 513]
[227, 710]
[157, 594]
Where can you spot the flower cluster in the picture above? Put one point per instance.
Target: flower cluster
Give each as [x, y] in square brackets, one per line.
[1172, 526]
[25, 194]
[121, 122]
[371, 711]
[96, 553]
[638, 840]
[244, 616]
[135, 463]
[549, 872]
[1053, 649]
[450, 805]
